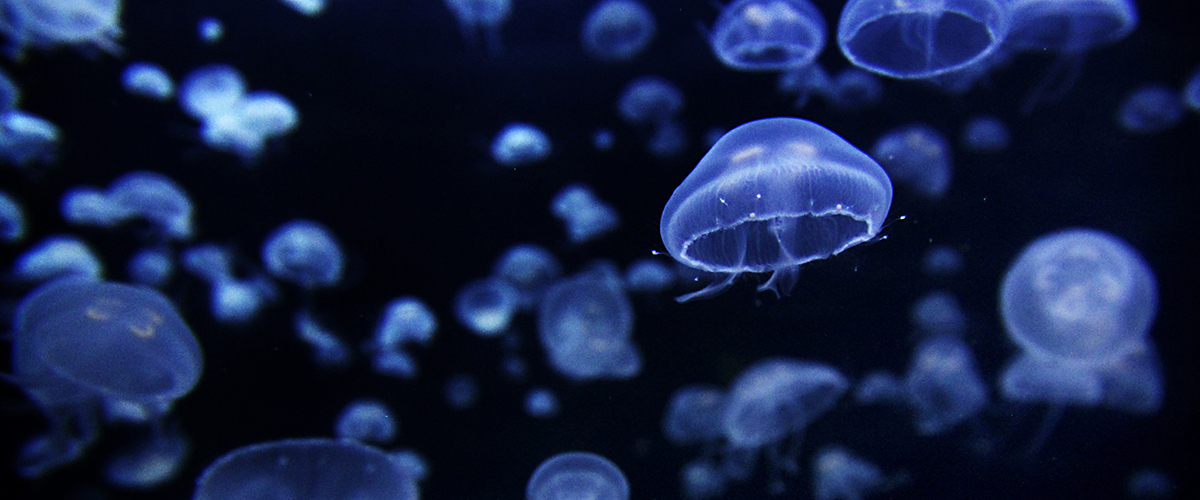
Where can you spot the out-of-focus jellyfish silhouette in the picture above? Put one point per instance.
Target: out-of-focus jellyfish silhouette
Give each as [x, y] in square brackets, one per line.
[48, 23]
[306, 468]
[305, 253]
[617, 30]
[586, 216]
[529, 268]
[942, 385]
[245, 127]
[541, 402]
[12, 219]
[668, 140]
[585, 323]
[232, 300]
[210, 29]
[648, 275]
[461, 391]
[1149, 109]
[984, 134]
[577, 474]
[328, 349]
[768, 35]
[57, 257]
[476, 15]
[879, 387]
[805, 81]
[649, 100]
[309, 8]
[210, 91]
[702, 479]
[840, 475]
[81, 345]
[405, 320]
[366, 420]
[486, 306]
[151, 267]
[938, 313]
[148, 80]
[1191, 91]
[918, 156]
[604, 139]
[776, 398]
[854, 88]
[1149, 484]
[942, 260]
[921, 38]
[149, 461]
[26, 139]
[156, 198]
[771, 195]
[520, 144]
[10, 94]
[694, 415]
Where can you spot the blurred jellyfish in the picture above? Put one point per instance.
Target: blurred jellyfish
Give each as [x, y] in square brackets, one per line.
[854, 88]
[411, 463]
[12, 219]
[541, 402]
[586, 216]
[648, 275]
[585, 323]
[771, 195]
[776, 398]
[57, 257]
[461, 391]
[838, 474]
[604, 139]
[405, 320]
[80, 344]
[151, 267]
[938, 313]
[307, 7]
[1036, 378]
[917, 155]
[942, 260]
[768, 35]
[394, 363]
[26, 139]
[1149, 484]
[244, 127]
[528, 268]
[306, 468]
[366, 420]
[328, 349]
[702, 479]
[305, 253]
[984, 134]
[45, 23]
[239, 301]
[210, 29]
[617, 30]
[923, 38]
[1191, 91]
[694, 414]
[148, 80]
[156, 198]
[208, 262]
[879, 387]
[485, 15]
[942, 385]
[577, 474]
[10, 94]
[210, 91]
[805, 81]
[88, 206]
[1150, 109]
[149, 461]
[520, 144]
[668, 140]
[649, 100]
[486, 306]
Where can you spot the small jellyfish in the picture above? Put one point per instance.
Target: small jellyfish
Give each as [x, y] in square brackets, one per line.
[984, 134]
[617, 30]
[649, 100]
[775, 398]
[528, 268]
[88, 206]
[921, 38]
[942, 385]
[405, 320]
[210, 29]
[57, 257]
[10, 94]
[694, 415]
[150, 461]
[586, 216]
[367, 421]
[411, 463]
[938, 313]
[585, 323]
[1079, 294]
[148, 80]
[768, 35]
[541, 402]
[305, 253]
[879, 387]
[668, 140]
[702, 479]
[805, 81]
[486, 306]
[942, 260]
[151, 267]
[1191, 91]
[577, 474]
[26, 139]
[520, 144]
[1150, 109]
[310, 8]
[238, 301]
[394, 363]
[328, 349]
[604, 139]
[210, 91]
[770, 196]
[486, 15]
[648, 276]
[1037, 378]
[306, 468]
[917, 155]
[839, 474]
[47, 23]
[461, 391]
[854, 88]
[12, 219]
[156, 198]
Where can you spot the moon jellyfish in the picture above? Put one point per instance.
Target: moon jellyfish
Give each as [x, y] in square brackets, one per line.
[151, 267]
[366, 420]
[921, 38]
[694, 415]
[617, 30]
[541, 402]
[26, 139]
[486, 15]
[649, 100]
[854, 89]
[47, 23]
[305, 253]
[805, 81]
[648, 275]
[486, 306]
[12, 219]
[585, 323]
[577, 474]
[306, 468]
[768, 35]
[917, 155]
[942, 385]
[81, 345]
[586, 216]
[57, 257]
[702, 479]
[1150, 109]
[209, 91]
[775, 398]
[405, 320]
[210, 29]
[520, 144]
[839, 474]
[528, 268]
[309, 8]
[938, 313]
[985, 134]
[942, 260]
[148, 80]
[149, 461]
[156, 198]
[769, 196]
[328, 349]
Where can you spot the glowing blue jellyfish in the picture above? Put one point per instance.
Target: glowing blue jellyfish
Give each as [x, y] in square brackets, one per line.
[528, 268]
[10, 94]
[694, 415]
[306, 468]
[1191, 91]
[776, 398]
[985, 134]
[1150, 109]
[210, 91]
[148, 80]
[541, 402]
[305, 253]
[617, 30]
[244, 127]
[577, 474]
[585, 323]
[649, 100]
[210, 29]
[586, 216]
[771, 195]
[921, 38]
[668, 140]
[1078, 294]
[942, 385]
[405, 320]
[839, 474]
[917, 155]
[942, 260]
[805, 81]
[151, 267]
[57, 257]
[648, 275]
[47, 23]
[310, 8]
[156, 198]
[12, 219]
[520, 144]
[855, 89]
[486, 306]
[768, 35]
[604, 139]
[1069, 26]
[702, 479]
[327, 348]
[879, 387]
[938, 313]
[150, 461]
[82, 344]
[26, 139]
[366, 420]
[486, 15]
[232, 300]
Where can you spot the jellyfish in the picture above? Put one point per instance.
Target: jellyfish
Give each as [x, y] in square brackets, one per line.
[1191, 91]
[461, 391]
[10, 94]
[209, 91]
[577, 474]
[617, 30]
[985, 134]
[768, 35]
[57, 257]
[520, 144]
[879, 387]
[649, 100]
[776, 398]
[839, 474]
[328, 350]
[668, 140]
[586, 216]
[245, 126]
[26, 139]
[541, 402]
[486, 306]
[151, 267]
[148, 80]
[805, 81]
[694, 414]
[156, 198]
[486, 15]
[367, 421]
[405, 320]
[310, 8]
[305, 253]
[853, 89]
[769, 196]
[306, 468]
[1149, 109]
[942, 260]
[648, 276]
[232, 300]
[81, 345]
[210, 29]
[585, 323]
[528, 268]
[938, 313]
[702, 479]
[150, 460]
[12, 219]
[47, 23]
[942, 385]
[917, 155]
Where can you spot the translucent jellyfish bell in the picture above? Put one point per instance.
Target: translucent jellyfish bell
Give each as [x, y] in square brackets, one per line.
[985, 134]
[694, 414]
[768, 35]
[209, 91]
[1079, 294]
[148, 80]
[46, 23]
[921, 38]
[306, 468]
[779, 397]
[585, 323]
[27, 139]
[156, 198]
[838, 474]
[1071, 26]
[366, 420]
[486, 306]
[942, 385]
[1149, 109]
[520, 144]
[917, 155]
[57, 257]
[649, 99]
[617, 30]
[486, 15]
[12, 219]
[305, 253]
[577, 474]
[771, 195]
